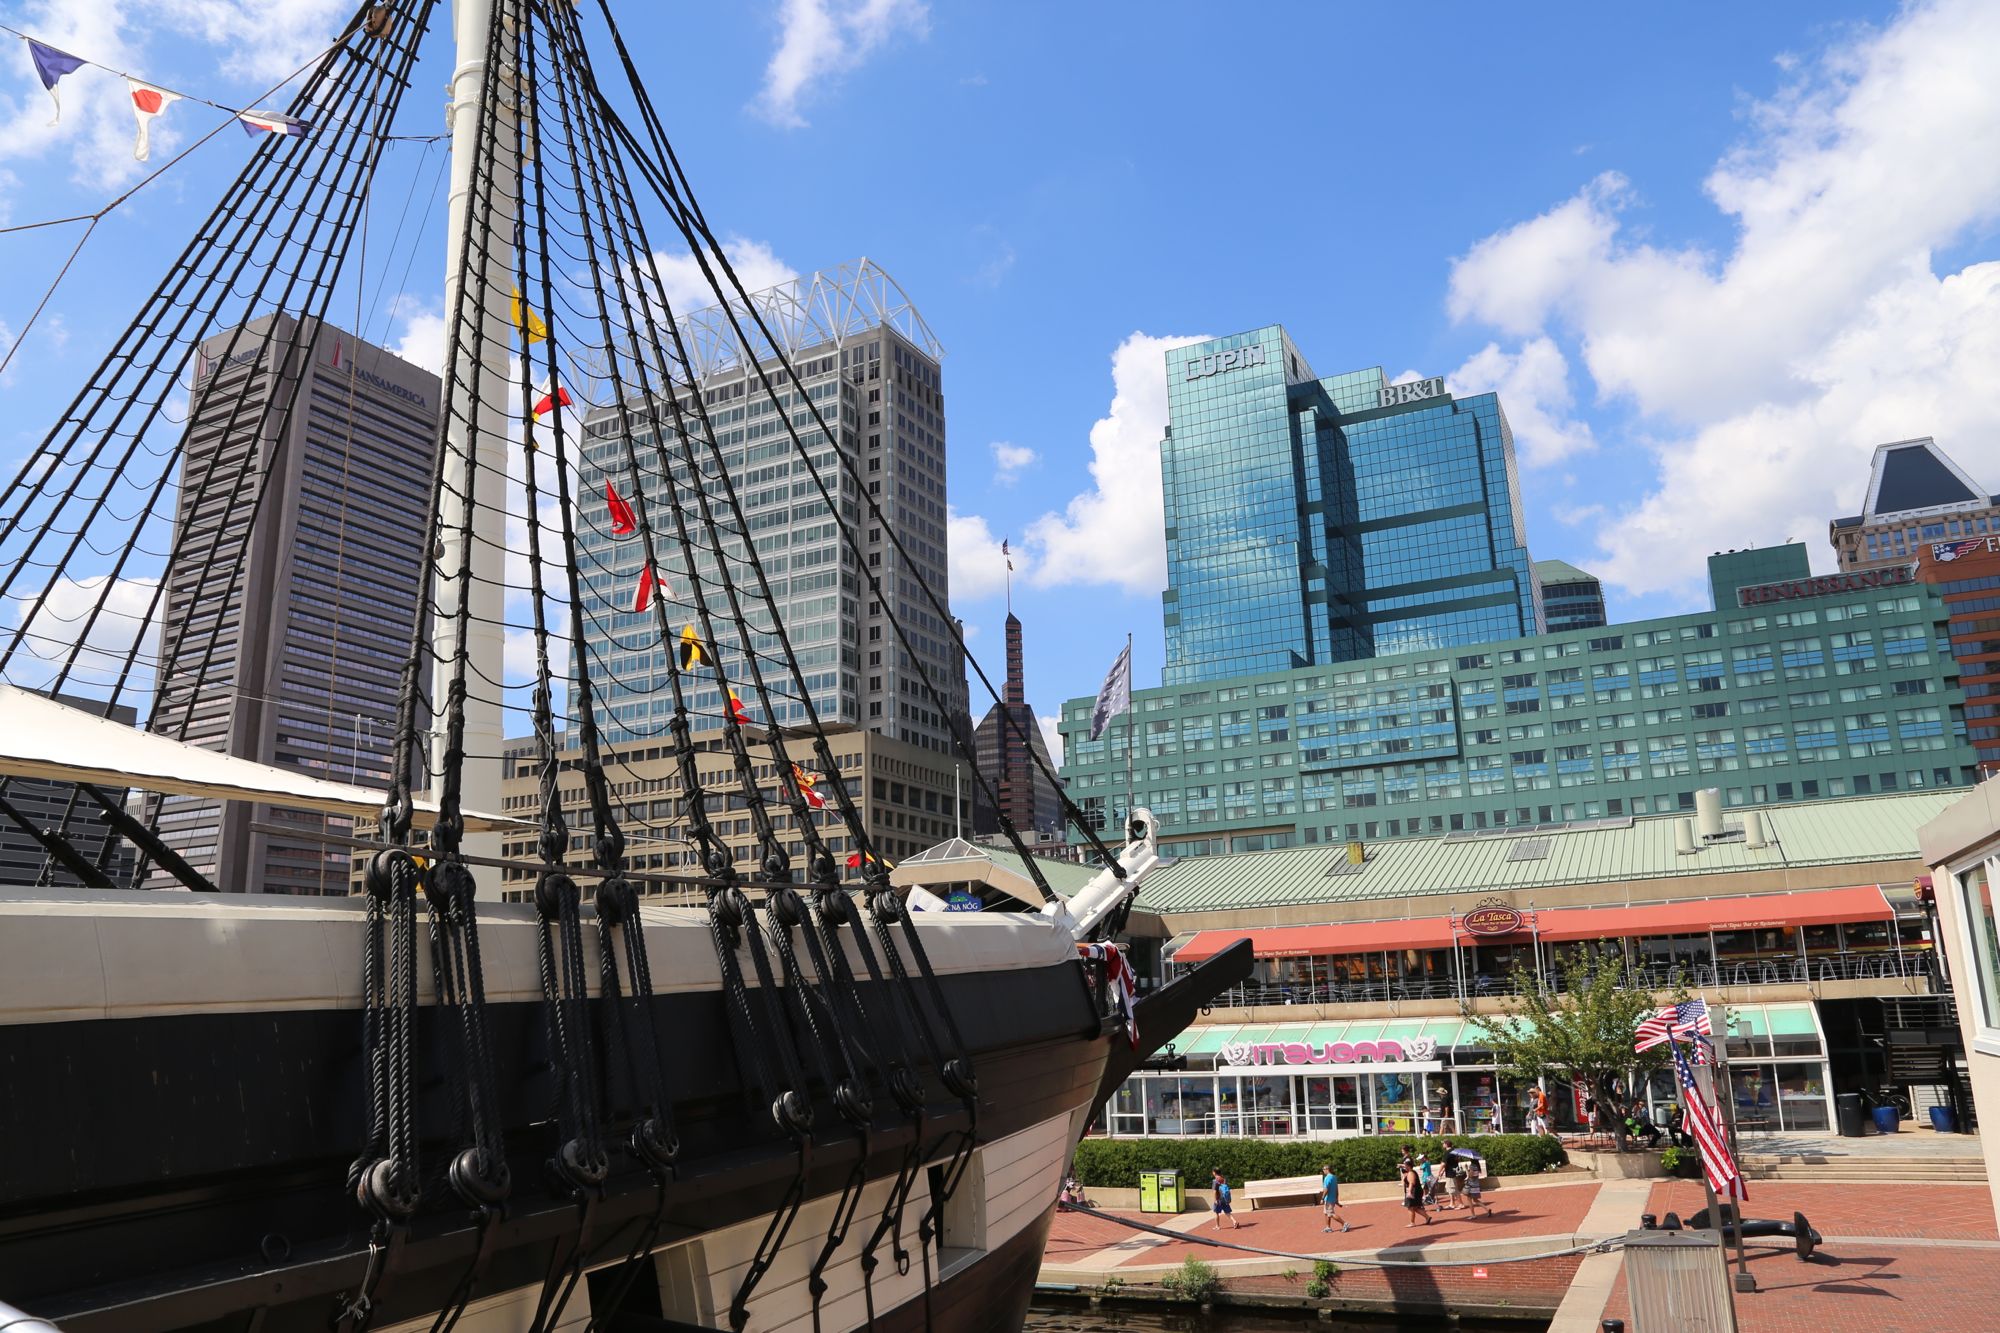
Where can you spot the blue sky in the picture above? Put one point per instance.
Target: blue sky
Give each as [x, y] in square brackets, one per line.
[1709, 255]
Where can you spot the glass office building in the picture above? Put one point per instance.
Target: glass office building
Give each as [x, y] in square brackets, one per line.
[1315, 521]
[1795, 690]
[1570, 598]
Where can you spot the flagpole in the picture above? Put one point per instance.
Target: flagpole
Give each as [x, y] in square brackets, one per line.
[1130, 728]
[1726, 1103]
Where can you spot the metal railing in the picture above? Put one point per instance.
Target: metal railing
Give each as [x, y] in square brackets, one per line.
[1912, 965]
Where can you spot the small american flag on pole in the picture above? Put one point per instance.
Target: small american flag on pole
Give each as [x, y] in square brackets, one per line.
[1687, 1019]
[1720, 1167]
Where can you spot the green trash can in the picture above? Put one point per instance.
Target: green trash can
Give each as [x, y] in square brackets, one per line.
[1170, 1192]
[1149, 1191]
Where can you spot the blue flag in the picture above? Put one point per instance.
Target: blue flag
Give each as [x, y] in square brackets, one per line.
[50, 66]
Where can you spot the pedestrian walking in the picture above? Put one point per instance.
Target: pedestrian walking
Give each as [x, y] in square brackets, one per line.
[1413, 1196]
[1470, 1172]
[1222, 1206]
[1538, 1110]
[1329, 1198]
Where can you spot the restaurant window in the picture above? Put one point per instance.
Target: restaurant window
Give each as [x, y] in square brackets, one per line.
[1982, 940]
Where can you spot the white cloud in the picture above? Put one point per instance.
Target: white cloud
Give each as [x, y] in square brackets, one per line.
[1533, 384]
[1577, 515]
[1115, 532]
[1011, 460]
[1771, 369]
[96, 130]
[57, 632]
[820, 40]
[263, 40]
[1051, 736]
[976, 568]
[687, 290]
[422, 342]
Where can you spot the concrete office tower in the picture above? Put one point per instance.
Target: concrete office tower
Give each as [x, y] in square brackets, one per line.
[1916, 495]
[1009, 742]
[44, 804]
[293, 657]
[1313, 521]
[1571, 599]
[869, 363]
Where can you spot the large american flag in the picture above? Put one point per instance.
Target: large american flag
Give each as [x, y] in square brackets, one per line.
[1699, 1120]
[1686, 1019]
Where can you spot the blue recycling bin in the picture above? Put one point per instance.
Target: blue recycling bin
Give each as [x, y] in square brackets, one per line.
[1941, 1120]
[1886, 1119]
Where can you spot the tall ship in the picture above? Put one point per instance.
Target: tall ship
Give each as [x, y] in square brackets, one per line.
[525, 1075]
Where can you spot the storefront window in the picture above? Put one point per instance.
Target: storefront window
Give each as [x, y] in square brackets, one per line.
[1476, 1092]
[1267, 1105]
[1822, 940]
[1395, 1103]
[1802, 1097]
[1755, 1087]
[1869, 935]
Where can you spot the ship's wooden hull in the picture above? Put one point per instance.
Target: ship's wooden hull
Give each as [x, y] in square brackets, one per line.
[186, 1092]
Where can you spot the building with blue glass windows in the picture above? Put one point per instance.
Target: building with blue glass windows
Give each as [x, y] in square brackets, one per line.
[1315, 521]
[1570, 598]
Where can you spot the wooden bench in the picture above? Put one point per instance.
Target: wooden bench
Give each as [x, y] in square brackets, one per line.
[1290, 1191]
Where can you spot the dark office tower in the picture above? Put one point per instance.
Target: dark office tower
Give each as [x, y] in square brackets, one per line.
[868, 366]
[62, 808]
[287, 622]
[1009, 743]
[1571, 599]
[1916, 495]
[1313, 521]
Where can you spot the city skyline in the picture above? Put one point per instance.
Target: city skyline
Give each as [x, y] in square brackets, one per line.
[1606, 247]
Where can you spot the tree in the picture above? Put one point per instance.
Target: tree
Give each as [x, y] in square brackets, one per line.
[1582, 1032]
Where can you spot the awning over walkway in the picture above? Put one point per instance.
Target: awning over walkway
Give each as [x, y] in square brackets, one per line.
[1815, 907]
[1820, 907]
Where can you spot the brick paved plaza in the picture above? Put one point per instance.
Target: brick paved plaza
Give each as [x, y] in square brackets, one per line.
[1896, 1256]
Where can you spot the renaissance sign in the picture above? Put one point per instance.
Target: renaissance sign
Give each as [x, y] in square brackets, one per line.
[1328, 1053]
[1826, 585]
[1199, 367]
[1395, 395]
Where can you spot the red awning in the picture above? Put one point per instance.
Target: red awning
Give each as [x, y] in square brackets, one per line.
[1815, 907]
[1424, 932]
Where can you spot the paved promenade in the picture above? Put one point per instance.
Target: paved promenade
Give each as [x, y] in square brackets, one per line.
[1915, 1256]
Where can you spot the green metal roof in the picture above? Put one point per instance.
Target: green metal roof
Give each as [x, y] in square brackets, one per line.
[1561, 571]
[1834, 832]
[956, 859]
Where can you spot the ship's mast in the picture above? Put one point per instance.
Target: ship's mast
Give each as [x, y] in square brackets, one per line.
[493, 226]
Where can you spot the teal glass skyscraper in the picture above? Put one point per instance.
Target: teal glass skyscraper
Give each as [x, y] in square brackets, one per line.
[1312, 521]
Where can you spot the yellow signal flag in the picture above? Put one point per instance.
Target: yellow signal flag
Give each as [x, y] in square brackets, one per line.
[526, 320]
[693, 651]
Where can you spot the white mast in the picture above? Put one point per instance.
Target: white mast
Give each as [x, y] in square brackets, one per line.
[485, 640]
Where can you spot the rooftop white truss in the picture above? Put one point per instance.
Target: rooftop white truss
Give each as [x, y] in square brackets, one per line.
[825, 309]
